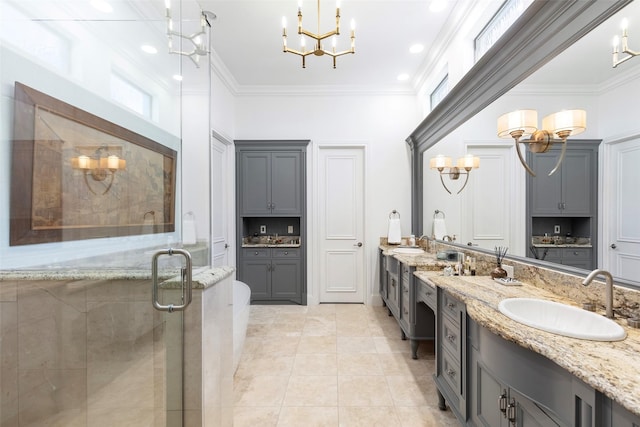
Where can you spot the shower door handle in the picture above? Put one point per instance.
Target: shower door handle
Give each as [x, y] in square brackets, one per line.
[186, 280]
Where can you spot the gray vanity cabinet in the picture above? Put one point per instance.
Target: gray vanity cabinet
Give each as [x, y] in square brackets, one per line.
[274, 274]
[571, 190]
[620, 417]
[392, 300]
[270, 183]
[417, 321]
[451, 354]
[512, 386]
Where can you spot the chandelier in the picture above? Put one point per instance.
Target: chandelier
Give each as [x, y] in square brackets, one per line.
[317, 50]
[625, 47]
[197, 39]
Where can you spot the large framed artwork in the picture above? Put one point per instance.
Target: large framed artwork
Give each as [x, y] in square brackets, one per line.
[77, 176]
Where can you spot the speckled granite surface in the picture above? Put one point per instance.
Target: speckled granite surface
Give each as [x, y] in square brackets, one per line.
[202, 279]
[610, 367]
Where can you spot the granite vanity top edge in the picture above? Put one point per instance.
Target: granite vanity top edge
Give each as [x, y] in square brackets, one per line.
[424, 261]
[82, 274]
[562, 245]
[201, 280]
[275, 245]
[609, 367]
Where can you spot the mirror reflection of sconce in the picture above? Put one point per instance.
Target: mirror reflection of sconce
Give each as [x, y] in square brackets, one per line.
[99, 167]
[625, 46]
[517, 124]
[463, 167]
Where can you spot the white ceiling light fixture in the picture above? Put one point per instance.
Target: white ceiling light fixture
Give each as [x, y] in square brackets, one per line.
[416, 48]
[625, 47]
[403, 77]
[149, 49]
[197, 39]
[437, 5]
[102, 6]
[562, 124]
[318, 50]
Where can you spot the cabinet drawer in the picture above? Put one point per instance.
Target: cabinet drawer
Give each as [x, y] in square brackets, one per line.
[576, 253]
[450, 335]
[451, 372]
[451, 307]
[426, 294]
[256, 253]
[406, 309]
[286, 253]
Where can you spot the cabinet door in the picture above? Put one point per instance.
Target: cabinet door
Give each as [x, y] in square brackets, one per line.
[578, 188]
[620, 417]
[255, 187]
[485, 395]
[286, 279]
[256, 273]
[286, 183]
[546, 191]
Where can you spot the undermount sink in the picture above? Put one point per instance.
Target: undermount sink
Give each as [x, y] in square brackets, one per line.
[561, 319]
[408, 251]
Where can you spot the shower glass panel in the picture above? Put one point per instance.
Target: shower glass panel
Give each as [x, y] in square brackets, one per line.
[91, 145]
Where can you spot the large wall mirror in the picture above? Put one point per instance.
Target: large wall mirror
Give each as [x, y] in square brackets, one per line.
[579, 76]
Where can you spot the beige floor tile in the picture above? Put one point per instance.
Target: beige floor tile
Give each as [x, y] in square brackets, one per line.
[319, 326]
[347, 328]
[378, 416]
[425, 416]
[363, 390]
[315, 364]
[285, 329]
[260, 391]
[258, 364]
[317, 345]
[407, 390]
[275, 345]
[314, 310]
[391, 345]
[308, 416]
[403, 364]
[356, 345]
[319, 390]
[255, 416]
[359, 364]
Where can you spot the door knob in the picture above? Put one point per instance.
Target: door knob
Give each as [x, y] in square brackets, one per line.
[359, 244]
[613, 246]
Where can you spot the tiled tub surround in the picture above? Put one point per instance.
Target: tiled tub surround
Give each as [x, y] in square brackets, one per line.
[609, 367]
[87, 349]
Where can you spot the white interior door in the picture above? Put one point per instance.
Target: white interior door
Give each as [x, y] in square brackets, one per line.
[219, 202]
[341, 224]
[487, 200]
[624, 210]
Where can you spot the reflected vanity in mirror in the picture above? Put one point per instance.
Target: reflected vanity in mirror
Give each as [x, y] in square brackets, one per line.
[580, 77]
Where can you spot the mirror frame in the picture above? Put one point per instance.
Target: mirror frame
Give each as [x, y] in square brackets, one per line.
[545, 29]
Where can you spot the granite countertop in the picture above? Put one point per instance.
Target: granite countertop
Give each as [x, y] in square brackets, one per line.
[562, 245]
[271, 245]
[424, 261]
[609, 367]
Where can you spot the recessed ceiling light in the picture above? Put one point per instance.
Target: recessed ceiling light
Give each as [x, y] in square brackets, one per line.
[416, 48]
[437, 5]
[148, 48]
[102, 6]
[403, 77]
[177, 77]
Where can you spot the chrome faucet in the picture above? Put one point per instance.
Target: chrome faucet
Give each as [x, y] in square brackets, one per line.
[609, 289]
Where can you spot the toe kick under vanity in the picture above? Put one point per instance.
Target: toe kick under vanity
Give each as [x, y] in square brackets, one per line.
[493, 371]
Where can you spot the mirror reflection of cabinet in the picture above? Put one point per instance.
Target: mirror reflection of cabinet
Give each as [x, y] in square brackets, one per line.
[562, 208]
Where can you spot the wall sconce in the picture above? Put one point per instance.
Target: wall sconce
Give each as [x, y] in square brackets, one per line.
[99, 167]
[518, 123]
[625, 47]
[463, 167]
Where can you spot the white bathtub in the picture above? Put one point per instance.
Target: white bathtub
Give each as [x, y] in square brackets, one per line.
[241, 307]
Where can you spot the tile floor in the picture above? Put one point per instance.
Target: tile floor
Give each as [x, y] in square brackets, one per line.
[333, 365]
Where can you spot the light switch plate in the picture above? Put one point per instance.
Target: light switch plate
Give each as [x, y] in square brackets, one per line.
[290, 229]
[263, 229]
[556, 229]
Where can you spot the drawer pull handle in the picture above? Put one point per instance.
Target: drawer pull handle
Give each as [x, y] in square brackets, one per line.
[451, 305]
[502, 403]
[286, 252]
[451, 372]
[256, 253]
[451, 337]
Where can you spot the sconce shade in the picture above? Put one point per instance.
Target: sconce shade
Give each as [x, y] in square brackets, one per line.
[524, 120]
[573, 121]
[440, 162]
[469, 162]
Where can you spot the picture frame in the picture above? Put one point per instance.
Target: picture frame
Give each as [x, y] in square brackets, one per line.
[77, 176]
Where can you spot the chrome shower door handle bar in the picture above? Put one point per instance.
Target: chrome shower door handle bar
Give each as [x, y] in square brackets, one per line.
[187, 284]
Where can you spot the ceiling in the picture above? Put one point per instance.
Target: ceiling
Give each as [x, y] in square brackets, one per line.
[247, 42]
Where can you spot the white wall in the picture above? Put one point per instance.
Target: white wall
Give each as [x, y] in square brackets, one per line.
[381, 123]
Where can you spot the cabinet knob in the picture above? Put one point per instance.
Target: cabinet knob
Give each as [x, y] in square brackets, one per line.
[451, 337]
[286, 252]
[451, 372]
[256, 253]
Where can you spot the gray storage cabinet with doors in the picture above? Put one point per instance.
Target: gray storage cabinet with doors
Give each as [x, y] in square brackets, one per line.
[270, 190]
